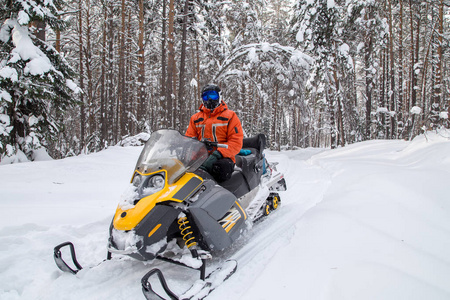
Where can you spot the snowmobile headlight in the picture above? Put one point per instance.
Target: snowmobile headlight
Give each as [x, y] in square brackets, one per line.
[156, 182]
[137, 180]
[152, 185]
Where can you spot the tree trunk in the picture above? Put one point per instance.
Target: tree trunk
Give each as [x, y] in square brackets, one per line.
[275, 117]
[111, 96]
[39, 29]
[121, 99]
[197, 50]
[80, 49]
[437, 93]
[382, 101]
[58, 39]
[369, 76]
[103, 118]
[141, 76]
[338, 100]
[400, 105]
[129, 78]
[392, 133]
[170, 67]
[88, 59]
[414, 59]
[331, 106]
[164, 113]
[181, 97]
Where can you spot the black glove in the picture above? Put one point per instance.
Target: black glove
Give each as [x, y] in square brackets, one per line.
[209, 162]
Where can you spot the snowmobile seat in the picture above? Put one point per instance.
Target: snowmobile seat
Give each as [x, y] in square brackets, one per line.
[248, 170]
[237, 184]
[257, 142]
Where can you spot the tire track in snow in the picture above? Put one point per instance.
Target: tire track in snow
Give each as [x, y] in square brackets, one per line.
[254, 250]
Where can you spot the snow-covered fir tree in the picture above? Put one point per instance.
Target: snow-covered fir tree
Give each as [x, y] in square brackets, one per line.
[35, 81]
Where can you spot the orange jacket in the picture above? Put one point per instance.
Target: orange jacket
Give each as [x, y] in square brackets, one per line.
[222, 125]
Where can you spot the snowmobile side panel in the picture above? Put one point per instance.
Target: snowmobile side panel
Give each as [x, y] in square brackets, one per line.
[213, 234]
[233, 221]
[188, 189]
[217, 229]
[151, 230]
[215, 200]
[150, 226]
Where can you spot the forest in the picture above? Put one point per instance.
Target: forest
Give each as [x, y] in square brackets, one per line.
[79, 76]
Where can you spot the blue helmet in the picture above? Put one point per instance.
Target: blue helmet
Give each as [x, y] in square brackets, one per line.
[211, 96]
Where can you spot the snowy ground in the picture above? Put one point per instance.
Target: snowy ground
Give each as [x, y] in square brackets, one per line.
[368, 221]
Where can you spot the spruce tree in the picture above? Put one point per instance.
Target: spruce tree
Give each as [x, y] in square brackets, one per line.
[35, 80]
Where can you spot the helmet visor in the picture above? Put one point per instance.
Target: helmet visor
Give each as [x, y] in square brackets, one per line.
[210, 95]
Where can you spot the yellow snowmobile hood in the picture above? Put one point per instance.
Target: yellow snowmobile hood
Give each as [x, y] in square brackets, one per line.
[128, 219]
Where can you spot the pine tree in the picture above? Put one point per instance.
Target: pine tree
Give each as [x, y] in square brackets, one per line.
[319, 29]
[35, 81]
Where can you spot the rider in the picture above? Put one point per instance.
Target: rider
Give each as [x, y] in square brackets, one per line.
[215, 122]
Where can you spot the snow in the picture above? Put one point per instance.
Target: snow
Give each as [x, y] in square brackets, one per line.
[331, 4]
[38, 63]
[252, 55]
[128, 197]
[300, 37]
[367, 221]
[23, 18]
[126, 241]
[382, 110]
[5, 95]
[73, 86]
[344, 49]
[416, 110]
[8, 73]
[41, 155]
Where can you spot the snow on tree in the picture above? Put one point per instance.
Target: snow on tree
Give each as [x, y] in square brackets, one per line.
[35, 81]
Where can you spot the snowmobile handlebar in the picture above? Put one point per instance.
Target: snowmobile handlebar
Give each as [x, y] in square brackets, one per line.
[209, 144]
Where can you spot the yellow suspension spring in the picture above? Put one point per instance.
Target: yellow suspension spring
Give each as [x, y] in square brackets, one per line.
[188, 236]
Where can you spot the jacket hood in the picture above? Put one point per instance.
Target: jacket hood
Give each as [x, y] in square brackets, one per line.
[222, 106]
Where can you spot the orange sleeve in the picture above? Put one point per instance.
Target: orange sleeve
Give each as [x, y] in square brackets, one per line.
[234, 139]
[191, 131]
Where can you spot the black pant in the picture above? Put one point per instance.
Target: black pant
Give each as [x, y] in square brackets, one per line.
[221, 170]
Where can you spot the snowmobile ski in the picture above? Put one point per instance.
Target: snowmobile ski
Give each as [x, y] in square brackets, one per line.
[62, 265]
[199, 290]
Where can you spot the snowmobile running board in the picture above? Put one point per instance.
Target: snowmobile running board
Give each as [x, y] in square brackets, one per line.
[199, 290]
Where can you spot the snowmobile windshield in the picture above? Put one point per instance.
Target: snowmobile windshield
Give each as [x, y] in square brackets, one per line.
[169, 150]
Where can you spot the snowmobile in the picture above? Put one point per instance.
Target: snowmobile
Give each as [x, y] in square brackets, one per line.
[176, 212]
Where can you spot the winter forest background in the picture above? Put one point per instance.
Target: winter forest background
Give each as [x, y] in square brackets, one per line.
[77, 76]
